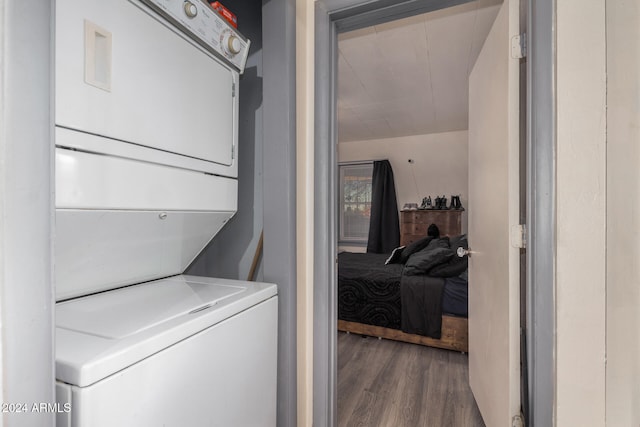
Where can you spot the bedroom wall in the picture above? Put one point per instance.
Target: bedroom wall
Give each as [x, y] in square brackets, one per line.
[623, 204]
[440, 166]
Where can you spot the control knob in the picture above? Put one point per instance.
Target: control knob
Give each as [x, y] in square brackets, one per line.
[190, 9]
[231, 44]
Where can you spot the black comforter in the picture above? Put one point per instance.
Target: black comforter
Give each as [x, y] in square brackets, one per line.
[421, 302]
[371, 292]
[405, 295]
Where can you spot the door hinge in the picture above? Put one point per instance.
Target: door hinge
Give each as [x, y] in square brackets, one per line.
[517, 421]
[519, 46]
[233, 90]
[233, 151]
[519, 236]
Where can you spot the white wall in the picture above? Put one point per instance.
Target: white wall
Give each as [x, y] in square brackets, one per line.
[26, 211]
[623, 205]
[580, 215]
[440, 164]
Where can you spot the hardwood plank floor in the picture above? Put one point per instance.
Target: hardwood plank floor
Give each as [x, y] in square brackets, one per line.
[390, 383]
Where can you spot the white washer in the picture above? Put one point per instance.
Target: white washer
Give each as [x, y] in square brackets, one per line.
[182, 351]
[146, 175]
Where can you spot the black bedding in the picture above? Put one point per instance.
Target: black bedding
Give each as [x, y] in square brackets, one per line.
[421, 302]
[455, 297]
[370, 292]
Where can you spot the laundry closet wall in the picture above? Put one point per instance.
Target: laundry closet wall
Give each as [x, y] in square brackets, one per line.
[230, 254]
[266, 174]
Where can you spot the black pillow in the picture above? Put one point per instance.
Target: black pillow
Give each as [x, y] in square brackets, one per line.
[442, 242]
[414, 247]
[423, 261]
[394, 258]
[454, 267]
[459, 241]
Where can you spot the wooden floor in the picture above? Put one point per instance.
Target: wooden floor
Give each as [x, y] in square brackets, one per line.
[395, 384]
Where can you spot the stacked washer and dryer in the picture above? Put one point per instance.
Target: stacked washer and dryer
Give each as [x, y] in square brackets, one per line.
[146, 135]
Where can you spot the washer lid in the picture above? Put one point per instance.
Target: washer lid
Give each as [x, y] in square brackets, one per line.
[123, 313]
[101, 334]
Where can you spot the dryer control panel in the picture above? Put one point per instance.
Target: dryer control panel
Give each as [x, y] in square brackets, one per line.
[206, 27]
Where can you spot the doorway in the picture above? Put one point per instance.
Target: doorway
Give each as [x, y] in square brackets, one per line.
[402, 95]
[345, 15]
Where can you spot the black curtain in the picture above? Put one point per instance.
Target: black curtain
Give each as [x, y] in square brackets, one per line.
[384, 226]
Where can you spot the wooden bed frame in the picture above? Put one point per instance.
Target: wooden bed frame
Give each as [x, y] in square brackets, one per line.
[455, 333]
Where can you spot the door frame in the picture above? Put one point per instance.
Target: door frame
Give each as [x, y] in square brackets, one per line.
[541, 208]
[335, 16]
[27, 336]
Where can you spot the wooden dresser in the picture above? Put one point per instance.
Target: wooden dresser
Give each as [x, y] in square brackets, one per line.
[414, 224]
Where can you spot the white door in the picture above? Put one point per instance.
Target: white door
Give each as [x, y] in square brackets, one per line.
[494, 352]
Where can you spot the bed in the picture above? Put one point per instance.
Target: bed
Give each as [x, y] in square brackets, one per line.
[390, 300]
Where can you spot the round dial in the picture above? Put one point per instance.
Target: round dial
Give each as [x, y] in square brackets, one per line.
[190, 9]
[231, 44]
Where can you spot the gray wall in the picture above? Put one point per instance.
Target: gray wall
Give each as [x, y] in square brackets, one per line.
[231, 252]
[267, 167]
[279, 162]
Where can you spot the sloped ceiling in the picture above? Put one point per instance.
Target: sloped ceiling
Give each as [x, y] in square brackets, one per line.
[410, 76]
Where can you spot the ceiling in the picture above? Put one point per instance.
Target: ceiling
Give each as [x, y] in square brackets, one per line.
[410, 76]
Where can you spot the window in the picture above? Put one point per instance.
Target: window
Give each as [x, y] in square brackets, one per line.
[355, 202]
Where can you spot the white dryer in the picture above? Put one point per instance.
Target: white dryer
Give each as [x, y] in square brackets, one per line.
[146, 116]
